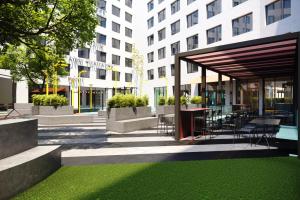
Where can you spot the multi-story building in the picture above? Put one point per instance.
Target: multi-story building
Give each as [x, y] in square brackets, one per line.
[172, 26]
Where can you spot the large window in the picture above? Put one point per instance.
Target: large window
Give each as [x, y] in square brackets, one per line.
[150, 74]
[128, 62]
[190, 1]
[128, 32]
[161, 53]
[101, 39]
[150, 57]
[278, 10]
[237, 2]
[175, 48]
[192, 19]
[101, 74]
[150, 22]
[150, 40]
[86, 74]
[116, 43]
[150, 5]
[115, 60]
[214, 8]
[102, 21]
[128, 77]
[172, 69]
[116, 75]
[101, 4]
[175, 6]
[175, 27]
[128, 3]
[115, 11]
[162, 15]
[101, 56]
[161, 34]
[84, 53]
[128, 17]
[162, 72]
[214, 34]
[128, 47]
[192, 42]
[192, 68]
[116, 27]
[242, 25]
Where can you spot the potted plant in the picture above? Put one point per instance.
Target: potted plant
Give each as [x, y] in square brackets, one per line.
[166, 106]
[184, 101]
[51, 105]
[196, 100]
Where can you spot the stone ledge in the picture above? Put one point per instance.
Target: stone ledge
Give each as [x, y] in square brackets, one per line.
[130, 125]
[63, 119]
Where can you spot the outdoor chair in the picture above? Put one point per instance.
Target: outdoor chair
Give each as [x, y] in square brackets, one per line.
[246, 129]
[161, 124]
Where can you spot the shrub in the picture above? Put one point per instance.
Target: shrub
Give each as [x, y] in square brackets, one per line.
[162, 101]
[171, 101]
[183, 100]
[50, 100]
[196, 100]
[146, 100]
[139, 102]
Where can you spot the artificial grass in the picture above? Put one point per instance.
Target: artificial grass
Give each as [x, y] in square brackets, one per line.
[259, 179]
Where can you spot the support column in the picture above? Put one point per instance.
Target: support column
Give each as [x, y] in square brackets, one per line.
[298, 93]
[219, 90]
[234, 91]
[261, 96]
[230, 91]
[203, 86]
[177, 97]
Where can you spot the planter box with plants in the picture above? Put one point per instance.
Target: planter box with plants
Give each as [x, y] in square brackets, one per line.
[128, 113]
[166, 106]
[51, 105]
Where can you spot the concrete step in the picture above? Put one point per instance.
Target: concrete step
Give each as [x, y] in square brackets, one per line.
[23, 170]
[100, 125]
[165, 153]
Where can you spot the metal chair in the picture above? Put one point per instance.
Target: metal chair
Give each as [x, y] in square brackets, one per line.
[161, 124]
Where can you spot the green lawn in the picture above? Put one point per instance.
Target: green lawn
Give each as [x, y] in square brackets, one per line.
[255, 179]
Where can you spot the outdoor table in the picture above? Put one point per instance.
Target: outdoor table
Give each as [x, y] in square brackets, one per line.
[265, 122]
[187, 125]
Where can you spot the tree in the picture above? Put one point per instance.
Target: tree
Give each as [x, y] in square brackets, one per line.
[138, 66]
[68, 24]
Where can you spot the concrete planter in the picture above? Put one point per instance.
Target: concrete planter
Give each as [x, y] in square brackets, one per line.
[194, 106]
[170, 109]
[51, 110]
[117, 114]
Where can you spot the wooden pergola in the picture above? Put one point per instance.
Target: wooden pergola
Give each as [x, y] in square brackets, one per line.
[255, 59]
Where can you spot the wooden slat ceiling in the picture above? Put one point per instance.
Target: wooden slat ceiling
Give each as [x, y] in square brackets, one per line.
[257, 61]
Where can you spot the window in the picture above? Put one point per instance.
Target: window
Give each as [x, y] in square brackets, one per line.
[160, 1]
[192, 42]
[161, 34]
[190, 1]
[115, 11]
[150, 73]
[150, 5]
[101, 56]
[101, 38]
[278, 10]
[115, 43]
[128, 17]
[116, 76]
[128, 62]
[172, 69]
[128, 47]
[116, 27]
[162, 15]
[161, 53]
[101, 74]
[150, 57]
[84, 53]
[128, 3]
[128, 77]
[150, 22]
[115, 60]
[192, 19]
[101, 4]
[150, 40]
[102, 21]
[175, 6]
[214, 34]
[175, 48]
[242, 25]
[162, 72]
[175, 27]
[237, 2]
[214, 8]
[191, 68]
[86, 74]
[128, 32]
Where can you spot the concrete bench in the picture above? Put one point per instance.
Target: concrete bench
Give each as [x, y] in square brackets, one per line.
[130, 125]
[63, 119]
